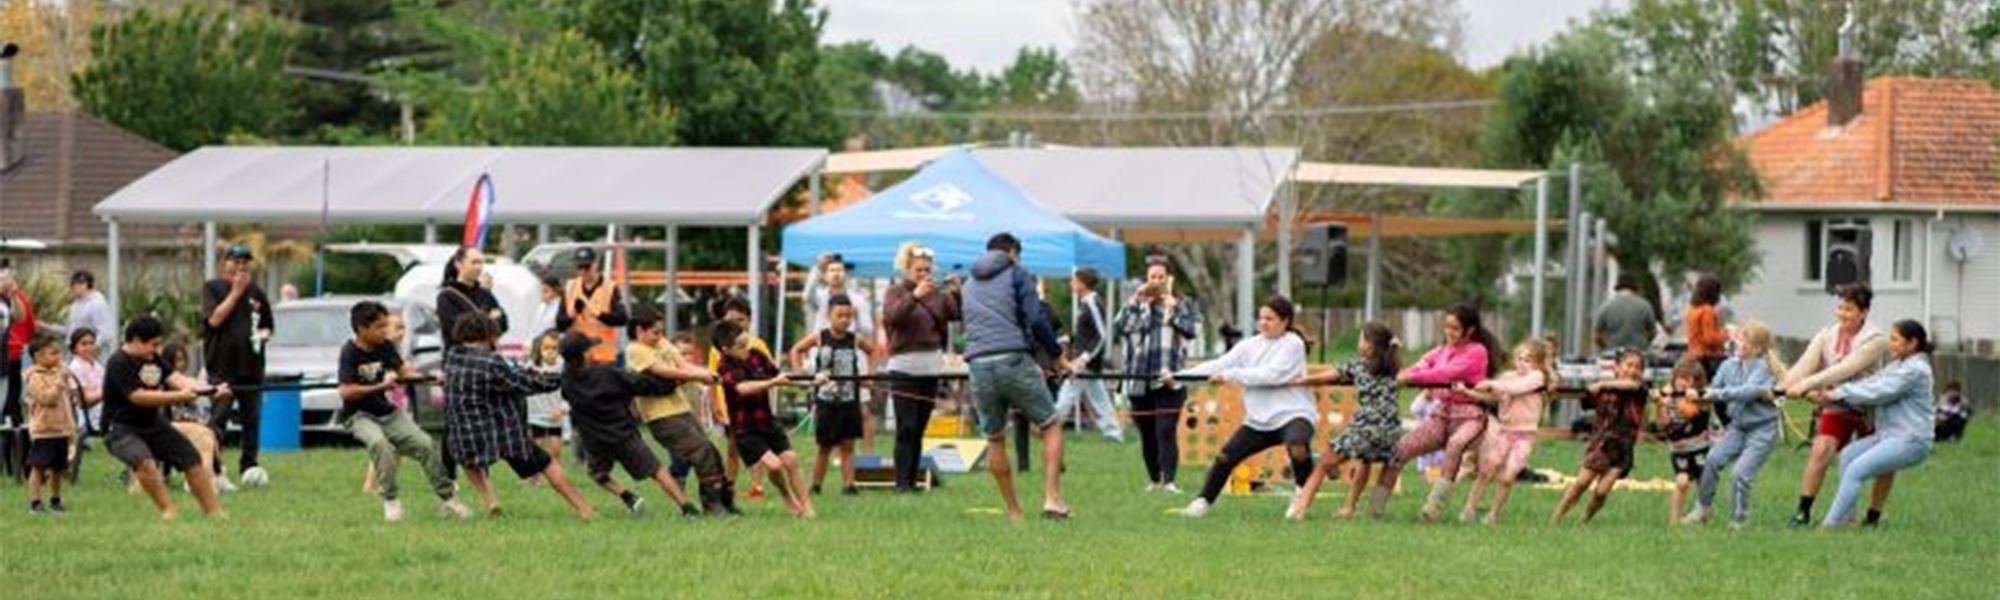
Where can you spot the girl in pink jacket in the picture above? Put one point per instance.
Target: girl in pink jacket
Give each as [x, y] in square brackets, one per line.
[1465, 358]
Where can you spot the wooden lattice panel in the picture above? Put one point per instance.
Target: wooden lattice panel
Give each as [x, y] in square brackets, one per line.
[1214, 412]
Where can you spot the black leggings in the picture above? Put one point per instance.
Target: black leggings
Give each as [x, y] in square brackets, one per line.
[1156, 415]
[247, 410]
[913, 399]
[1296, 435]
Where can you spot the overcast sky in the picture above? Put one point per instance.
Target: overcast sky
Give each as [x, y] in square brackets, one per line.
[984, 34]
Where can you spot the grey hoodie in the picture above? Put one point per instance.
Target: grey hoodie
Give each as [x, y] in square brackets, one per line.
[1002, 311]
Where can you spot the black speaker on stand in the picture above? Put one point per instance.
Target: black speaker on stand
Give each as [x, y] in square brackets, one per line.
[1323, 262]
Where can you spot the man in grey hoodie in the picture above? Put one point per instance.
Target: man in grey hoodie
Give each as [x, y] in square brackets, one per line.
[1004, 327]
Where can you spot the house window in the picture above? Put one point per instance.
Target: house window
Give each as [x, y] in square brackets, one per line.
[1904, 258]
[1815, 250]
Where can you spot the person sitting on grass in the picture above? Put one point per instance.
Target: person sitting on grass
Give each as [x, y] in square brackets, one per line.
[52, 400]
[837, 418]
[1370, 439]
[1744, 383]
[748, 376]
[1273, 413]
[487, 418]
[672, 417]
[1517, 397]
[1900, 396]
[1684, 413]
[371, 367]
[139, 385]
[603, 396]
[1952, 413]
[1620, 410]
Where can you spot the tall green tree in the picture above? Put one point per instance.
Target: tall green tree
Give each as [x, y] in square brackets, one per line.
[191, 77]
[359, 37]
[1038, 77]
[740, 73]
[1659, 164]
[561, 90]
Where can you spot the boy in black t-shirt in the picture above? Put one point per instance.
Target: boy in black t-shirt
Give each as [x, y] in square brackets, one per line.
[370, 367]
[601, 399]
[138, 387]
[236, 321]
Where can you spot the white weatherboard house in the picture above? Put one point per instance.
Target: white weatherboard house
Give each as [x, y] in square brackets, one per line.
[1897, 184]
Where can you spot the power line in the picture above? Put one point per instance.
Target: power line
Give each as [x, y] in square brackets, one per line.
[1323, 111]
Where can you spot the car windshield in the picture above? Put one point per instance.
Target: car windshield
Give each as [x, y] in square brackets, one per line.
[310, 327]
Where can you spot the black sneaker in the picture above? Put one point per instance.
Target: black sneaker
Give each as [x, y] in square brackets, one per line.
[815, 489]
[36, 508]
[1799, 520]
[850, 491]
[688, 509]
[56, 506]
[637, 506]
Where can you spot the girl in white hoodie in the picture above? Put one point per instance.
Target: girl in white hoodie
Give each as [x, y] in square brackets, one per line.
[1274, 412]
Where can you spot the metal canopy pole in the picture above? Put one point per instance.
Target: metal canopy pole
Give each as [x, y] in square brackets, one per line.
[1541, 255]
[115, 278]
[1288, 210]
[1574, 274]
[754, 287]
[1246, 278]
[208, 251]
[673, 279]
[1372, 307]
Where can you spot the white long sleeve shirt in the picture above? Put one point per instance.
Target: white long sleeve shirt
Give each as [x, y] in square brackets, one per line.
[1262, 365]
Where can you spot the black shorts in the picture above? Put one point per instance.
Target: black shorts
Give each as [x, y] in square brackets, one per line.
[753, 442]
[164, 445]
[633, 454]
[531, 464]
[49, 453]
[834, 423]
[539, 432]
[1690, 463]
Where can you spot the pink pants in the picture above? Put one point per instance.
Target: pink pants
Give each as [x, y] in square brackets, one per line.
[1453, 428]
[1506, 452]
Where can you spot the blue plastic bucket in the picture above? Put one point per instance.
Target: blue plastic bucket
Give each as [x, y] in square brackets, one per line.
[280, 426]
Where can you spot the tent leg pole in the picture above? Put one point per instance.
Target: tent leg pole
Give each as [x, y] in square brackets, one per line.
[754, 286]
[778, 329]
[115, 276]
[1287, 214]
[1246, 279]
[1574, 276]
[673, 279]
[208, 251]
[1541, 255]
[542, 234]
[430, 232]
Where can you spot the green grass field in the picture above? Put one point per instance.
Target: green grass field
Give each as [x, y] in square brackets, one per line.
[314, 534]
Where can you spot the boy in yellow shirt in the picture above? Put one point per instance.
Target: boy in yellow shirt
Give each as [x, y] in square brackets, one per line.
[671, 418]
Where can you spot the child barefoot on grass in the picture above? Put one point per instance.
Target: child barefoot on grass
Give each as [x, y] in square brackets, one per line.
[748, 376]
[1621, 408]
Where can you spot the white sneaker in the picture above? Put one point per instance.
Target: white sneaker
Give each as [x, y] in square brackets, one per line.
[1697, 516]
[256, 477]
[392, 511]
[1152, 487]
[1196, 509]
[453, 509]
[223, 484]
[1171, 489]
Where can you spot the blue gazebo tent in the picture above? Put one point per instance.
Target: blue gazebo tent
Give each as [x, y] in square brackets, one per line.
[953, 205]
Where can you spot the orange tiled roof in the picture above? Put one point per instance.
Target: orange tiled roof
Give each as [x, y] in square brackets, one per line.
[1918, 140]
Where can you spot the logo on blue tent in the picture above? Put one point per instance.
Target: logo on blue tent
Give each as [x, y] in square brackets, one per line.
[939, 203]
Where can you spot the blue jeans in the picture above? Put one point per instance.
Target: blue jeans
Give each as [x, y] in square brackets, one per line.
[1100, 403]
[1867, 459]
[1006, 382]
[1748, 448]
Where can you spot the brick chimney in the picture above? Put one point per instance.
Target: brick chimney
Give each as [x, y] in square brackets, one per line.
[1844, 78]
[13, 109]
